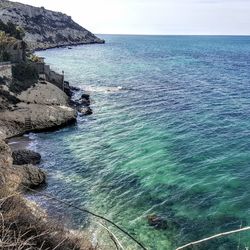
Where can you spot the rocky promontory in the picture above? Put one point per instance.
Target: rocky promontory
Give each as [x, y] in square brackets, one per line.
[42, 106]
[44, 28]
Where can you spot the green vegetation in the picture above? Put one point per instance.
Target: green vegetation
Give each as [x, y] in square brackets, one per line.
[12, 30]
[9, 36]
[22, 229]
[24, 76]
[34, 58]
[4, 41]
[24, 71]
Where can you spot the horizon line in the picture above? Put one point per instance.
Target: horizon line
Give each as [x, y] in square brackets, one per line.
[127, 34]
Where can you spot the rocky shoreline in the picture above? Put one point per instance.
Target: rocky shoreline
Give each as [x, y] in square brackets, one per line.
[34, 98]
[67, 45]
[44, 111]
[42, 107]
[45, 106]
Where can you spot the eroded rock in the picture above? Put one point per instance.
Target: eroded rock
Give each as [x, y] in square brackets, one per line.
[25, 156]
[30, 176]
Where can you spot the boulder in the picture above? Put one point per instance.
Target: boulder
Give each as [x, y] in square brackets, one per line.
[30, 176]
[85, 96]
[84, 102]
[24, 156]
[79, 103]
[85, 111]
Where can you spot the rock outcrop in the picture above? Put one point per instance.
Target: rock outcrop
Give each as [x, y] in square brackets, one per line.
[25, 156]
[31, 176]
[44, 28]
[82, 105]
[14, 177]
[43, 105]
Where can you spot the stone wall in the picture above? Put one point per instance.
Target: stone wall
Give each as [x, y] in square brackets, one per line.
[17, 51]
[5, 70]
[40, 67]
[16, 55]
[55, 78]
[49, 75]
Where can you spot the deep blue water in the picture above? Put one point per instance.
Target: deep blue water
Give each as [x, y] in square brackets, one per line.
[173, 142]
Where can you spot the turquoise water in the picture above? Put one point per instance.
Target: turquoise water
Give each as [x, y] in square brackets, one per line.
[173, 140]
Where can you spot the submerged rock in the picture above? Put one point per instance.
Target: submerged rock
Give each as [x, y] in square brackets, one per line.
[22, 157]
[157, 222]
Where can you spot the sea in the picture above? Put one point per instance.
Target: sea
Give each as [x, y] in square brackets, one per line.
[166, 153]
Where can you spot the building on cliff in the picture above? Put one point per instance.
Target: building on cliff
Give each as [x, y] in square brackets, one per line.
[45, 73]
[13, 53]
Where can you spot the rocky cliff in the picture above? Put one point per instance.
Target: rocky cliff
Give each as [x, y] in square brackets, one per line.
[44, 28]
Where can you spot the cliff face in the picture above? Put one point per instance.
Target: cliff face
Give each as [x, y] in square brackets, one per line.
[44, 28]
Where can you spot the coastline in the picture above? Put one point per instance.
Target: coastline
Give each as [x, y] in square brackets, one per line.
[100, 41]
[34, 99]
[45, 116]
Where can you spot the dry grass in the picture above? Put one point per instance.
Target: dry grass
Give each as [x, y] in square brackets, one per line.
[21, 229]
[24, 226]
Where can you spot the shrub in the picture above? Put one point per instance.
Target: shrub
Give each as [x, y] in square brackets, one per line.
[5, 42]
[34, 58]
[12, 30]
[24, 71]
[26, 228]
[6, 56]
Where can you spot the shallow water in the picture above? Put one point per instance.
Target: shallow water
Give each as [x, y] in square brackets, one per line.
[170, 135]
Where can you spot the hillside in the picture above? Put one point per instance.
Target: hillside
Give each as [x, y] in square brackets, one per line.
[44, 28]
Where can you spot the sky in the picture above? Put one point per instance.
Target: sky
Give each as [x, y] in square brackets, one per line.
[163, 17]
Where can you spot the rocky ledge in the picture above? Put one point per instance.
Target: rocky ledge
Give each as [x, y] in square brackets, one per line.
[41, 107]
[25, 156]
[15, 177]
[44, 28]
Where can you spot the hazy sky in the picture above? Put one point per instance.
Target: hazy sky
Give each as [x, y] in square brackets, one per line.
[156, 16]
